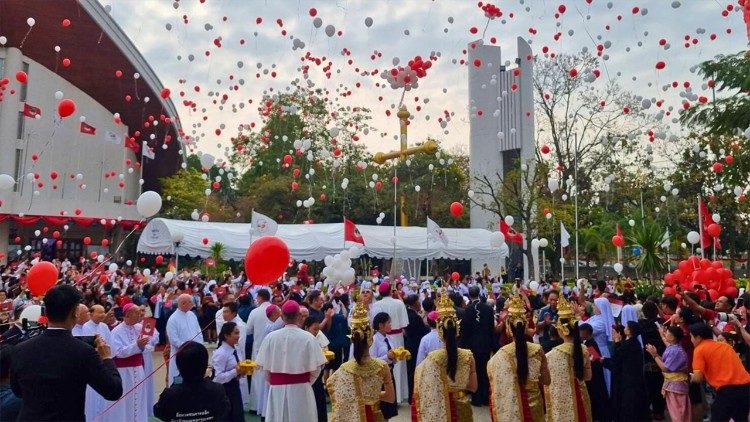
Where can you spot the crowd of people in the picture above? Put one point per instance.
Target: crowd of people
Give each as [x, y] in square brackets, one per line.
[434, 349]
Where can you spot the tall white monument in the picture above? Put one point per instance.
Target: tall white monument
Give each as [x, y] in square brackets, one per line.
[501, 107]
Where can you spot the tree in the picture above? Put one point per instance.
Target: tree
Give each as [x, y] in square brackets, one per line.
[648, 236]
[184, 192]
[579, 122]
[724, 115]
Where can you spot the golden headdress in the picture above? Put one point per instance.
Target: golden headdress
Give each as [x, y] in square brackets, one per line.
[361, 321]
[565, 312]
[516, 311]
[446, 314]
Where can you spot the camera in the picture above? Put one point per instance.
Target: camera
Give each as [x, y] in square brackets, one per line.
[723, 316]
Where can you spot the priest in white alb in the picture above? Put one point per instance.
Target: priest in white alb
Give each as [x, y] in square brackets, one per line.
[292, 359]
[395, 309]
[127, 351]
[95, 403]
[256, 327]
[182, 326]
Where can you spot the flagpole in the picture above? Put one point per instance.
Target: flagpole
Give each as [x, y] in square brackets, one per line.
[700, 227]
[575, 171]
[562, 258]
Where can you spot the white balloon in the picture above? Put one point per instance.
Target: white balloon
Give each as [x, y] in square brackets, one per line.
[534, 243]
[497, 239]
[147, 272]
[37, 233]
[553, 184]
[100, 258]
[533, 285]
[128, 262]
[148, 204]
[6, 181]
[168, 276]
[30, 21]
[330, 30]
[617, 267]
[417, 188]
[113, 267]
[509, 220]
[471, 193]
[58, 95]
[194, 215]
[693, 237]
[207, 161]
[3, 40]
[716, 217]
[543, 242]
[631, 223]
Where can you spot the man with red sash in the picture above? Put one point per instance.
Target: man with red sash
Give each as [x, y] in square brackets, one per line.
[127, 349]
[392, 304]
[292, 360]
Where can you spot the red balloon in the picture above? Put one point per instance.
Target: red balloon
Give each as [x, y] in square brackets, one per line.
[159, 259]
[266, 260]
[710, 274]
[669, 279]
[288, 159]
[705, 263]
[66, 22]
[165, 93]
[56, 234]
[618, 241]
[713, 294]
[205, 241]
[717, 264]
[714, 230]
[694, 261]
[669, 291]
[103, 278]
[685, 266]
[731, 291]
[86, 240]
[313, 11]
[22, 77]
[678, 275]
[457, 209]
[378, 185]
[66, 107]
[544, 149]
[455, 276]
[41, 277]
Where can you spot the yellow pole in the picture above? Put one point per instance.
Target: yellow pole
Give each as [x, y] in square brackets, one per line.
[403, 116]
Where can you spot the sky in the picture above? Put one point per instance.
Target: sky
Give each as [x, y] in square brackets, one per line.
[239, 47]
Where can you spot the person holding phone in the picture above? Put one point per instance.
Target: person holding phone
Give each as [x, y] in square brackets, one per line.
[629, 394]
[50, 371]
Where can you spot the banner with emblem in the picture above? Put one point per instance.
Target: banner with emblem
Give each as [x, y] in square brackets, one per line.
[263, 225]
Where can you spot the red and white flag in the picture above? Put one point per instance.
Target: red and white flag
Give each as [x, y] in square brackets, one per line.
[87, 129]
[351, 232]
[31, 111]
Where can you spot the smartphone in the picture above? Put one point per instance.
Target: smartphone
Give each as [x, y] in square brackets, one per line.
[90, 340]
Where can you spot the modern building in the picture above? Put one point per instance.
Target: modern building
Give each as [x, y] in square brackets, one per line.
[78, 175]
[501, 108]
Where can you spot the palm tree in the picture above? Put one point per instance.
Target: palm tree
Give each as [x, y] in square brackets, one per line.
[724, 115]
[217, 254]
[648, 236]
[594, 245]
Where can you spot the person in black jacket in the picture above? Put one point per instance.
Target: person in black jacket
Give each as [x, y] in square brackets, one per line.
[413, 334]
[477, 329]
[196, 398]
[629, 402]
[51, 370]
[596, 386]
[654, 378]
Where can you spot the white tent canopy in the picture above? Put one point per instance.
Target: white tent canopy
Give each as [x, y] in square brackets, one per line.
[313, 242]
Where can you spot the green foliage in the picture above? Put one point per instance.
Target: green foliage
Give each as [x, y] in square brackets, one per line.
[723, 115]
[648, 236]
[648, 288]
[184, 192]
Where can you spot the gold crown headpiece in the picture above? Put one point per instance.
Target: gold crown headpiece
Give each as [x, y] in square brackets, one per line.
[361, 321]
[565, 312]
[516, 311]
[446, 314]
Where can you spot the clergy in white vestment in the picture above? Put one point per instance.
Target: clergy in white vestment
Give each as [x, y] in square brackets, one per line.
[256, 326]
[95, 403]
[182, 326]
[82, 317]
[273, 313]
[395, 309]
[229, 314]
[127, 351]
[292, 358]
[148, 367]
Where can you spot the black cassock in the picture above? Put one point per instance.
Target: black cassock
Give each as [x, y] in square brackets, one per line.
[477, 335]
[413, 335]
[629, 394]
[597, 386]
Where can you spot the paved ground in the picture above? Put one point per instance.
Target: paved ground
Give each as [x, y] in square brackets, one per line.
[480, 414]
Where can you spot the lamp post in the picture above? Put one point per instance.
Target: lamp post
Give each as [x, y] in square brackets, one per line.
[177, 237]
[543, 243]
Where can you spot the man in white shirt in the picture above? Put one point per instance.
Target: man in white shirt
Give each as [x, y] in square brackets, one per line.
[182, 326]
[396, 309]
[82, 317]
[292, 373]
[229, 312]
[95, 403]
[431, 341]
[256, 326]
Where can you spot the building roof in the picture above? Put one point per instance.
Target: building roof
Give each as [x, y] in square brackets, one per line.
[97, 48]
